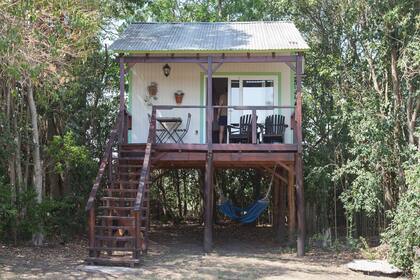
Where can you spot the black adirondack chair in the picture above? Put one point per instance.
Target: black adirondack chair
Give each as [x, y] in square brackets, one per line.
[241, 133]
[274, 128]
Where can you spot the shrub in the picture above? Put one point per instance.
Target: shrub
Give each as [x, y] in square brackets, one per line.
[56, 218]
[403, 235]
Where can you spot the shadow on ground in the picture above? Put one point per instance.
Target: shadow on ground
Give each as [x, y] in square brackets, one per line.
[240, 252]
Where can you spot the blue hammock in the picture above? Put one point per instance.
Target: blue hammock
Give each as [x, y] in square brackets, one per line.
[249, 214]
[243, 215]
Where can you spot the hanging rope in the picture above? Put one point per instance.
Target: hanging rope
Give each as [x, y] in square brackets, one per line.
[250, 213]
[271, 183]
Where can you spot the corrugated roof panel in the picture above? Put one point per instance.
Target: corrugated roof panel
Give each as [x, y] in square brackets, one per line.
[210, 37]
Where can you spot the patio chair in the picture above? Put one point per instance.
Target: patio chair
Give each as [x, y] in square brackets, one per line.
[241, 133]
[274, 128]
[181, 132]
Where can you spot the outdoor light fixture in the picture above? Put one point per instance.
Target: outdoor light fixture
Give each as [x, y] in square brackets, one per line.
[166, 70]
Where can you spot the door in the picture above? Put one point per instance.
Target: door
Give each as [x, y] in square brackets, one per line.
[220, 91]
[250, 92]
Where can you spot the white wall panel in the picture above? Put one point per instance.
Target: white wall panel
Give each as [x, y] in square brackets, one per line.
[186, 77]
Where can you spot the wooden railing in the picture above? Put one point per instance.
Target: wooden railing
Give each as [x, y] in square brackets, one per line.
[144, 180]
[253, 110]
[118, 135]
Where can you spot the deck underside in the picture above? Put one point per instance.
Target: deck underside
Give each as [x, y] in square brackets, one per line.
[224, 155]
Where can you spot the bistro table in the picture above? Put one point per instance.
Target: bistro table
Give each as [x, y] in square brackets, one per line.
[170, 126]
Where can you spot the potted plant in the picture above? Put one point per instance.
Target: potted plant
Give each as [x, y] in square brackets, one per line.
[179, 95]
[152, 89]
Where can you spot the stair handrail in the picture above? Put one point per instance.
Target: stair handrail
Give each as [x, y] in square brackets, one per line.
[145, 170]
[113, 137]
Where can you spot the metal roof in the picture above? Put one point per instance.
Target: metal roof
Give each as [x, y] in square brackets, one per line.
[210, 37]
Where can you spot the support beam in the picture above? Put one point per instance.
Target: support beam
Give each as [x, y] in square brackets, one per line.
[217, 66]
[122, 71]
[300, 202]
[291, 221]
[291, 66]
[208, 204]
[215, 59]
[122, 101]
[278, 176]
[209, 109]
[280, 228]
[208, 191]
[202, 67]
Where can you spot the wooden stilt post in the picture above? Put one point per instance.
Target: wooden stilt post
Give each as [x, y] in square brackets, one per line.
[276, 208]
[291, 205]
[122, 73]
[208, 178]
[122, 99]
[300, 202]
[208, 205]
[282, 193]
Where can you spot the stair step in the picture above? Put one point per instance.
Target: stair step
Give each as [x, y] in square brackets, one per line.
[130, 165]
[114, 238]
[127, 199]
[116, 207]
[115, 227]
[129, 173]
[111, 249]
[124, 204]
[131, 150]
[115, 261]
[130, 182]
[111, 190]
[130, 158]
[116, 218]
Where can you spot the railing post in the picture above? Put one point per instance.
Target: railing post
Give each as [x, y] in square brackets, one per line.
[110, 179]
[125, 127]
[137, 241]
[254, 126]
[153, 124]
[122, 98]
[91, 231]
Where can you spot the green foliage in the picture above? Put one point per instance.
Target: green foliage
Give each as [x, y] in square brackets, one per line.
[65, 152]
[58, 219]
[8, 213]
[403, 234]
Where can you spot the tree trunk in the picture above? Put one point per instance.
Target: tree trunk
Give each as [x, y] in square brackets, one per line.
[219, 8]
[37, 238]
[35, 138]
[184, 179]
[19, 173]
[178, 193]
[413, 108]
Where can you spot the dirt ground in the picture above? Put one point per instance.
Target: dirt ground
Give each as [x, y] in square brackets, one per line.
[176, 253]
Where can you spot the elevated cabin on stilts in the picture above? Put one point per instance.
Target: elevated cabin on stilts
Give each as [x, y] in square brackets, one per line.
[205, 96]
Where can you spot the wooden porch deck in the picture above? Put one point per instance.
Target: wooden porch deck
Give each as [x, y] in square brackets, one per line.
[224, 155]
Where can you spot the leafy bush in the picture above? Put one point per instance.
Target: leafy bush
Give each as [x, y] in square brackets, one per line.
[57, 219]
[403, 235]
[7, 212]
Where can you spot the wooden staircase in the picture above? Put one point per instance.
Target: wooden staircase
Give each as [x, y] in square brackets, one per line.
[119, 204]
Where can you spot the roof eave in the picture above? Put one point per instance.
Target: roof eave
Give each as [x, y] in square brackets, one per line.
[209, 51]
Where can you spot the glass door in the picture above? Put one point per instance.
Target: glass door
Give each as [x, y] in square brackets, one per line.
[250, 92]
